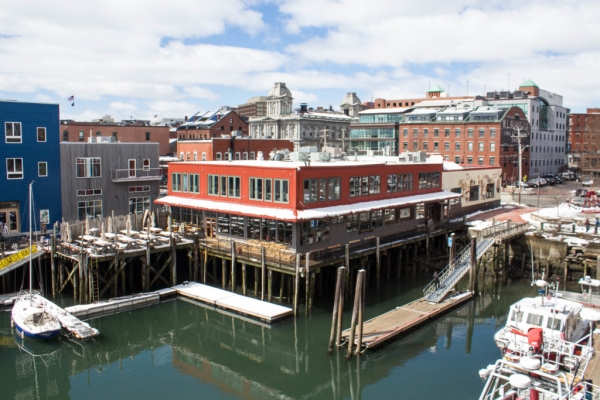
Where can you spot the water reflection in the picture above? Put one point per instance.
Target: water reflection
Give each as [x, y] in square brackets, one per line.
[177, 349]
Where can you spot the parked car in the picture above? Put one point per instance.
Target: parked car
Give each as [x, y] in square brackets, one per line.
[587, 182]
[581, 192]
[550, 180]
[536, 182]
[519, 184]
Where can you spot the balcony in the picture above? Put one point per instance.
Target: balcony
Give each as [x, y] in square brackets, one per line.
[135, 175]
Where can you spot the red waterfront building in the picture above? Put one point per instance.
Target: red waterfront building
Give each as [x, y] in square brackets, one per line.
[238, 148]
[310, 205]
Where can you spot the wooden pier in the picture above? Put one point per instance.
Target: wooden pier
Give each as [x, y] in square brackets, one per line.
[387, 326]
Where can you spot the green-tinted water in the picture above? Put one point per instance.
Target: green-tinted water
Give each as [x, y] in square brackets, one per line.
[180, 350]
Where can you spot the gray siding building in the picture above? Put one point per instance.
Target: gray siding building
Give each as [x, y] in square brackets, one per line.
[99, 178]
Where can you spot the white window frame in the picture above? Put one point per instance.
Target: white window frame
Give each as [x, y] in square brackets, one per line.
[39, 164]
[203, 156]
[88, 163]
[195, 156]
[14, 173]
[37, 135]
[181, 156]
[219, 156]
[146, 164]
[278, 192]
[13, 138]
[131, 172]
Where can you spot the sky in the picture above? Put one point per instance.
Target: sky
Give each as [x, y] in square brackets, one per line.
[174, 59]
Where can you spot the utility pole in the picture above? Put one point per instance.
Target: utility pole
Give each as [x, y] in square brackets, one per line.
[518, 138]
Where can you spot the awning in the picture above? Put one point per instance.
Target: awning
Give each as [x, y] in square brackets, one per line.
[303, 215]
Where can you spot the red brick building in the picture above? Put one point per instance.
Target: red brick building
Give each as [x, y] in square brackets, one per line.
[241, 148]
[584, 142]
[72, 131]
[223, 122]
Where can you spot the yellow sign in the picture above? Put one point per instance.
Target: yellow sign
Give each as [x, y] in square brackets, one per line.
[5, 262]
[524, 178]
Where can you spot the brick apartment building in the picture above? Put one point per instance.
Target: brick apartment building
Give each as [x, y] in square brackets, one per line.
[240, 148]
[584, 142]
[225, 121]
[124, 132]
[481, 136]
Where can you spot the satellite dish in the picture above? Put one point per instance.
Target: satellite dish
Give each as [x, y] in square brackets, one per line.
[541, 283]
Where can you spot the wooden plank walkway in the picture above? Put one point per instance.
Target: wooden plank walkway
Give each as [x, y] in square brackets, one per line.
[386, 326]
[230, 301]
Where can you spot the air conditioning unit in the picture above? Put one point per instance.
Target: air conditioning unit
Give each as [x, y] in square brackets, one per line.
[504, 95]
[518, 94]
[491, 96]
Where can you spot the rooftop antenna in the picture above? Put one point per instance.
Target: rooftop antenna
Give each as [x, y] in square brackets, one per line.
[323, 135]
[467, 88]
[508, 82]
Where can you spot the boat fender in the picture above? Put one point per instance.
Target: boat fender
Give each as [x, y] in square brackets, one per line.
[484, 374]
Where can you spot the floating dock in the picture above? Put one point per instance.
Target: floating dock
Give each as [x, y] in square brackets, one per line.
[386, 326]
[115, 305]
[214, 297]
[229, 301]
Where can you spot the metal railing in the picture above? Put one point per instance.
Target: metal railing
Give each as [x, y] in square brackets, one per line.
[136, 174]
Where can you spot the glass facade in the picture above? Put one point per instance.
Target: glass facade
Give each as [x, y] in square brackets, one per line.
[370, 118]
[374, 133]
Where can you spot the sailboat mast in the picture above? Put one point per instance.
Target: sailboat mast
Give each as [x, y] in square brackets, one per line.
[30, 237]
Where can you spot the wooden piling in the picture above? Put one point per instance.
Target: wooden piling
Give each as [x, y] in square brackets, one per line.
[297, 284]
[196, 248]
[255, 282]
[144, 267]
[378, 261]
[336, 318]
[224, 273]
[307, 283]
[270, 285]
[473, 270]
[357, 296]
[233, 266]
[361, 312]
[244, 285]
[52, 262]
[173, 261]
[262, 272]
[146, 273]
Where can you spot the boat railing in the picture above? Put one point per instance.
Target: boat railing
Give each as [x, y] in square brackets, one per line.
[554, 385]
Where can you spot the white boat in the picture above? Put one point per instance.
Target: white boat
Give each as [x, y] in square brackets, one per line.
[532, 322]
[30, 314]
[590, 293]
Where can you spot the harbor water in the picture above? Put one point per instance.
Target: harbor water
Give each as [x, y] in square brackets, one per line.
[181, 350]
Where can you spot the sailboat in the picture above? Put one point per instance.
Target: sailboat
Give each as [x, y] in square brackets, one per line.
[30, 315]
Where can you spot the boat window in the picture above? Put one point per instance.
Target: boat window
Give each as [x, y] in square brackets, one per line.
[554, 323]
[535, 319]
[516, 316]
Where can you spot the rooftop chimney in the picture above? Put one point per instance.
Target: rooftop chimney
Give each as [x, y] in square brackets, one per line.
[303, 107]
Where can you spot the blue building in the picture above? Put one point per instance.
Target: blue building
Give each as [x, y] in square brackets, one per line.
[29, 151]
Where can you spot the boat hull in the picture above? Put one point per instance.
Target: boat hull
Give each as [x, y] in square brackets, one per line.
[33, 335]
[31, 318]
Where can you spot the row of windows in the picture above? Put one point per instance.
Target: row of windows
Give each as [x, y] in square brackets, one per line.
[93, 208]
[365, 185]
[14, 168]
[428, 180]
[457, 146]
[469, 160]
[13, 133]
[322, 189]
[81, 136]
[261, 189]
[457, 132]
[219, 156]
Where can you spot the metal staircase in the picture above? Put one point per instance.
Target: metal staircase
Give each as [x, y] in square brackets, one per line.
[461, 264]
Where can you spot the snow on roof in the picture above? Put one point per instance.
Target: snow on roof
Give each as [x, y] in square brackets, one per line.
[451, 166]
[388, 110]
[300, 215]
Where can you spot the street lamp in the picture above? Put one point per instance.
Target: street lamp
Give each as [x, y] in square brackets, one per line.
[518, 138]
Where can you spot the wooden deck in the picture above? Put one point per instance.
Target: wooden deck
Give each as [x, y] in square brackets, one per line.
[386, 326]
